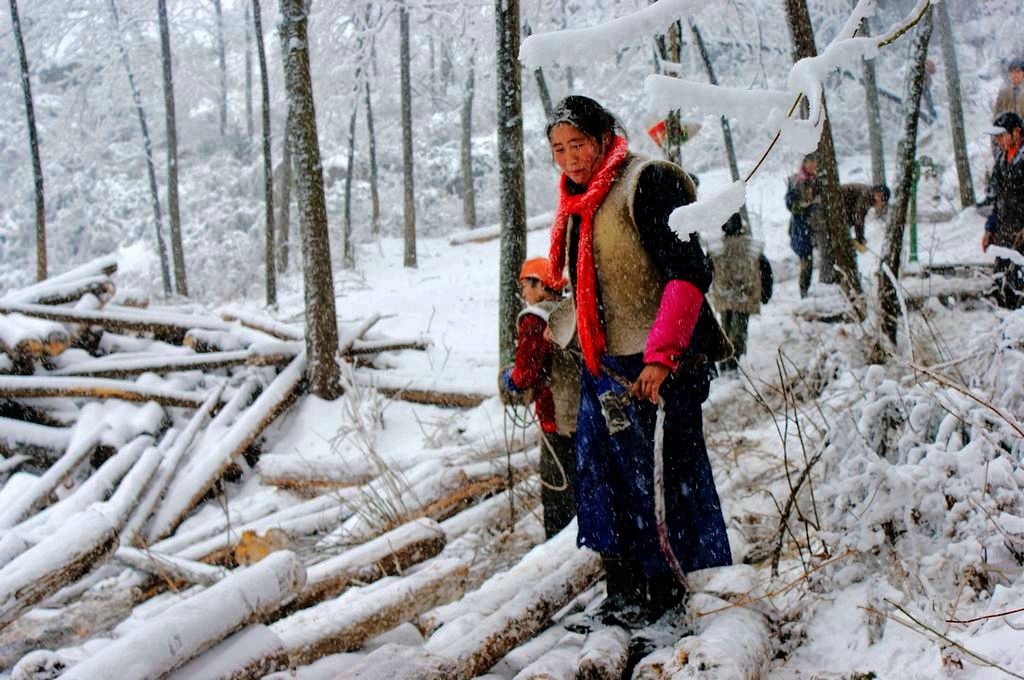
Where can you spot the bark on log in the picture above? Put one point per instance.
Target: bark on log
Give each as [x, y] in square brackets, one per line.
[65, 556]
[155, 646]
[26, 339]
[249, 654]
[28, 387]
[346, 622]
[433, 397]
[204, 470]
[170, 567]
[164, 325]
[387, 555]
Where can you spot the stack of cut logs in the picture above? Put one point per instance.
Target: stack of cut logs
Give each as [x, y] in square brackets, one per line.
[120, 421]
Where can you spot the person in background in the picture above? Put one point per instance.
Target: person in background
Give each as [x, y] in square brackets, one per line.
[743, 282]
[803, 200]
[1005, 225]
[554, 378]
[858, 199]
[647, 340]
[1011, 95]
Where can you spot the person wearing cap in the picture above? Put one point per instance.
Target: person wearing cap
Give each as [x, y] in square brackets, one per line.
[743, 282]
[803, 200]
[1011, 96]
[1005, 225]
[858, 199]
[553, 376]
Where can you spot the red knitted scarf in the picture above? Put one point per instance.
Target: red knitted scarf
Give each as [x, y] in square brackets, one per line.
[588, 323]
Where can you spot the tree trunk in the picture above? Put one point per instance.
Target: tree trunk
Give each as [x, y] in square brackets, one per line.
[147, 145]
[512, 176]
[468, 193]
[674, 123]
[409, 203]
[268, 161]
[348, 250]
[285, 195]
[568, 69]
[956, 110]
[249, 124]
[874, 115]
[33, 142]
[838, 262]
[372, 143]
[321, 321]
[177, 252]
[888, 308]
[223, 67]
[730, 150]
[542, 83]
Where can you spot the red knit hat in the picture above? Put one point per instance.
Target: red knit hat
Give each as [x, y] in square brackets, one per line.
[538, 268]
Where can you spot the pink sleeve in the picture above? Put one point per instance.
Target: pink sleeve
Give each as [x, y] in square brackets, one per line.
[673, 327]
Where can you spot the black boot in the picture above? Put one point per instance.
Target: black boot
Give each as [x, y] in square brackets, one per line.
[627, 601]
[665, 592]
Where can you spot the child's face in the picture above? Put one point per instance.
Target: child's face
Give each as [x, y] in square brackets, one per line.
[532, 291]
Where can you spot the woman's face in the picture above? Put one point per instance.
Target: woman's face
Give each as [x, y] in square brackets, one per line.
[575, 154]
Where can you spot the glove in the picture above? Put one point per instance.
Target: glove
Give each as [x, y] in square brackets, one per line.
[860, 246]
[510, 394]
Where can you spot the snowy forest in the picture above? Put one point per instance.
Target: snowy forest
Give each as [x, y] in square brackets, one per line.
[265, 317]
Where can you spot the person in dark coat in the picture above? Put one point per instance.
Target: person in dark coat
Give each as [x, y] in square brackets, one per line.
[803, 200]
[1005, 225]
[743, 282]
[858, 199]
[645, 335]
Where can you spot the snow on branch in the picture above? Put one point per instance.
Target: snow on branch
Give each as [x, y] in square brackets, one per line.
[665, 94]
[707, 216]
[579, 45]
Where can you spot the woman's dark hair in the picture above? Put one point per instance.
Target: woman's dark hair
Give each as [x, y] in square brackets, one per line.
[587, 116]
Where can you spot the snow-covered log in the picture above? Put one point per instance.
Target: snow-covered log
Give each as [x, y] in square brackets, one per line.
[170, 566]
[206, 467]
[156, 646]
[24, 339]
[288, 471]
[405, 391]
[100, 267]
[346, 622]
[361, 347]
[83, 442]
[61, 558]
[605, 655]
[518, 619]
[346, 340]
[168, 325]
[42, 443]
[122, 367]
[731, 644]
[386, 555]
[26, 387]
[261, 322]
[249, 654]
[204, 341]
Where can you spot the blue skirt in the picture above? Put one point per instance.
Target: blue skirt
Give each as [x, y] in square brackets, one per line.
[615, 474]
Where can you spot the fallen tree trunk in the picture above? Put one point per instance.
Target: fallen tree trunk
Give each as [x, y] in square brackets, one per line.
[63, 557]
[170, 567]
[102, 266]
[604, 655]
[156, 646]
[261, 323]
[249, 654]
[387, 555]
[362, 347]
[346, 622]
[122, 367]
[25, 339]
[28, 387]
[309, 478]
[42, 443]
[205, 469]
[164, 325]
[417, 395]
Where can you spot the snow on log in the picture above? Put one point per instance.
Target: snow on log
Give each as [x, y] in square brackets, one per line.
[122, 367]
[169, 325]
[484, 234]
[27, 387]
[43, 443]
[295, 473]
[403, 390]
[494, 512]
[518, 619]
[348, 338]
[604, 655]
[134, 486]
[206, 467]
[81, 445]
[53, 629]
[23, 338]
[399, 662]
[250, 653]
[176, 446]
[361, 347]
[729, 643]
[170, 567]
[560, 663]
[389, 554]
[65, 556]
[204, 341]
[100, 267]
[156, 646]
[261, 322]
[136, 298]
[346, 622]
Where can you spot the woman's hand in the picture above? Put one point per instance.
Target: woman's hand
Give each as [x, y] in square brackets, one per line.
[986, 241]
[648, 383]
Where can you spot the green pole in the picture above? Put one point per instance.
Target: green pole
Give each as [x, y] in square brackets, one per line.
[912, 213]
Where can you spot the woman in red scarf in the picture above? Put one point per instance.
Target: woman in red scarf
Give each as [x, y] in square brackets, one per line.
[638, 292]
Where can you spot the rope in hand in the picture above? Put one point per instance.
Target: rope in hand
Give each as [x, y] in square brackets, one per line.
[525, 421]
